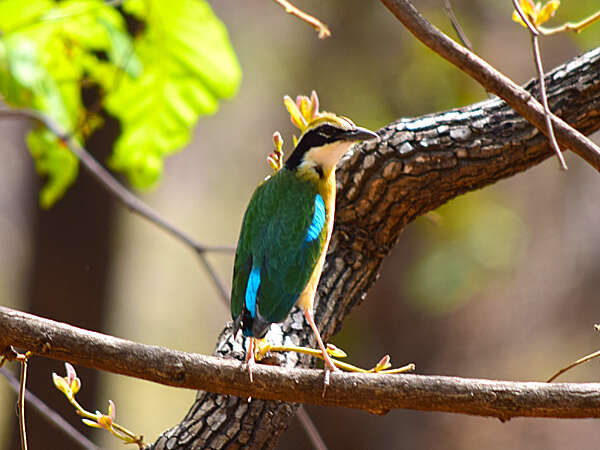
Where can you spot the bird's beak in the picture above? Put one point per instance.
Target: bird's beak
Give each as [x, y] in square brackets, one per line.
[359, 134]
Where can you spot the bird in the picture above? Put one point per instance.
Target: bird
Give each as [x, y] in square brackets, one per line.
[286, 231]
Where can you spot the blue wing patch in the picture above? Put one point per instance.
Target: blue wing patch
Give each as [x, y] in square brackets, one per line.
[318, 221]
[252, 290]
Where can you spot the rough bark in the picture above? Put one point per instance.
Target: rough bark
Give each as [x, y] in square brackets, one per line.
[418, 165]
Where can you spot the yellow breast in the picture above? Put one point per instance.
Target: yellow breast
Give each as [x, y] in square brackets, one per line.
[326, 187]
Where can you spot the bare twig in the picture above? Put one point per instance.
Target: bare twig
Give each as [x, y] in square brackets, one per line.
[49, 414]
[573, 364]
[22, 358]
[319, 26]
[535, 45]
[376, 393]
[311, 430]
[123, 195]
[457, 28]
[494, 81]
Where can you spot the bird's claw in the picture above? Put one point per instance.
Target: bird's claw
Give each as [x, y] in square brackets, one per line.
[328, 368]
[250, 358]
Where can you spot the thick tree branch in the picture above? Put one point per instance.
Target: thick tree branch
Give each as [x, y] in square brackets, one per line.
[493, 80]
[374, 393]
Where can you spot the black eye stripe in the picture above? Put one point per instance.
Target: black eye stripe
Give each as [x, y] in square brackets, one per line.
[316, 137]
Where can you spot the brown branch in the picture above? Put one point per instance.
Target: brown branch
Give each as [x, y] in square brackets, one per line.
[374, 393]
[492, 80]
[456, 25]
[319, 26]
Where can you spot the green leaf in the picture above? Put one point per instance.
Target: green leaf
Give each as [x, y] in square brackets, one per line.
[25, 82]
[15, 14]
[189, 65]
[53, 160]
[121, 52]
[158, 85]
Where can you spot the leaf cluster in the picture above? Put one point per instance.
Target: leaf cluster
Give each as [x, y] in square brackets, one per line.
[156, 82]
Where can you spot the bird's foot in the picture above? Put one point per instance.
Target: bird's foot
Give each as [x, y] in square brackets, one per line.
[328, 368]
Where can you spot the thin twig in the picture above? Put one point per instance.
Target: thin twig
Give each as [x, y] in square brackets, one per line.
[22, 358]
[493, 80]
[311, 430]
[576, 363]
[321, 28]
[457, 28]
[123, 195]
[49, 414]
[535, 45]
[577, 27]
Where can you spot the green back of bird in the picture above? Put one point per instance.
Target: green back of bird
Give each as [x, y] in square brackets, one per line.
[273, 241]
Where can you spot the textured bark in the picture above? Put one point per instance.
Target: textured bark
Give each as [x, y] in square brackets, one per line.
[418, 165]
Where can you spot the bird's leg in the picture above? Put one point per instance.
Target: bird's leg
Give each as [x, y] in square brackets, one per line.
[250, 357]
[329, 366]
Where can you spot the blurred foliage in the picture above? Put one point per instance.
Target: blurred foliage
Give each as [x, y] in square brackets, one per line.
[156, 83]
[477, 239]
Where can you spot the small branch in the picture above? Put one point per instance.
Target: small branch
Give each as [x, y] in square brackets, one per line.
[376, 393]
[319, 26]
[535, 45]
[22, 358]
[49, 414]
[123, 195]
[311, 430]
[494, 81]
[457, 28]
[573, 364]
[577, 27]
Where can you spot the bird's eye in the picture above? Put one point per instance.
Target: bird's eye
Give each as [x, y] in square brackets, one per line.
[327, 131]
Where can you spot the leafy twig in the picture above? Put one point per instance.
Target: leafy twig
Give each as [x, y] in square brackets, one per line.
[319, 26]
[534, 33]
[49, 414]
[70, 386]
[383, 366]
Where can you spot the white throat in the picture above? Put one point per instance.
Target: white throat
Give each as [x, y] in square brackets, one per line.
[328, 155]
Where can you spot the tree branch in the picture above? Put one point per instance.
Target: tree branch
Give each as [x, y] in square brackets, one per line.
[371, 392]
[492, 80]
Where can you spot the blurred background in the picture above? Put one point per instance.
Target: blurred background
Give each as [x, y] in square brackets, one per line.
[505, 287]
